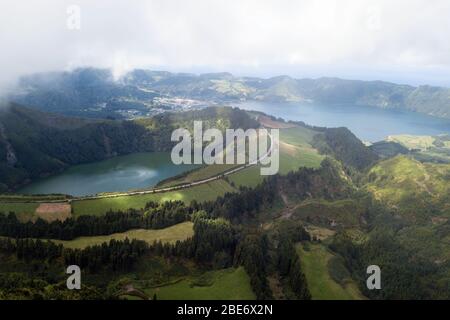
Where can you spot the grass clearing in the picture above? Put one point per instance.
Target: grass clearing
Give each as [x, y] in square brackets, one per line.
[319, 232]
[171, 234]
[315, 260]
[226, 284]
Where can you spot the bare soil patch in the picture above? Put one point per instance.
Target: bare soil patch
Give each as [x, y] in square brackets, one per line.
[54, 211]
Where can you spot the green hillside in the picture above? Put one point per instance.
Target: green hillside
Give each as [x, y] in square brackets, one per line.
[411, 187]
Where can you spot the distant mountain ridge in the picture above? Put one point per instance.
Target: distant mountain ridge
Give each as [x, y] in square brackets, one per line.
[94, 92]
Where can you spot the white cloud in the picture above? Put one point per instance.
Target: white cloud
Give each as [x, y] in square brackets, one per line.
[365, 38]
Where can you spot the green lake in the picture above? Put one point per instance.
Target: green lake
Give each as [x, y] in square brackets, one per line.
[122, 173]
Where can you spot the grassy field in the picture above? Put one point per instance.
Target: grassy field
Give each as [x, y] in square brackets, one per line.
[293, 157]
[295, 152]
[228, 284]
[208, 191]
[249, 177]
[315, 260]
[171, 234]
[297, 136]
[199, 174]
[10, 198]
[24, 211]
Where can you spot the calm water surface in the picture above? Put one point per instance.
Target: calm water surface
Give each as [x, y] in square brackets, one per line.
[123, 173]
[368, 123]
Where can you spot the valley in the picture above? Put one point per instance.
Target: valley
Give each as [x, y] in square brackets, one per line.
[263, 153]
[204, 230]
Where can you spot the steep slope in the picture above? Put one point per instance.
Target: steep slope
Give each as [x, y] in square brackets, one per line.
[33, 143]
[342, 144]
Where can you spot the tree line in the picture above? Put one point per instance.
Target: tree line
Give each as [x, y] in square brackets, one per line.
[115, 255]
[154, 216]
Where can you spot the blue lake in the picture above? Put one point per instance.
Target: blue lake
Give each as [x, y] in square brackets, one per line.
[368, 123]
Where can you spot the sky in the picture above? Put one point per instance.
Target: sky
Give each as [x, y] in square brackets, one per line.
[403, 41]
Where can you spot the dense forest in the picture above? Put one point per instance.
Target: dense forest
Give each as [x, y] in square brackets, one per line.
[344, 146]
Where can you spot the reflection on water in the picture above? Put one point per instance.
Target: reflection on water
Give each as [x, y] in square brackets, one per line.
[135, 171]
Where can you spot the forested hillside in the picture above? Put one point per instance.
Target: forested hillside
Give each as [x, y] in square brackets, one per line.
[343, 145]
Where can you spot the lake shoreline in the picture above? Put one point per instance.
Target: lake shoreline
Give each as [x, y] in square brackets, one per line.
[382, 121]
[121, 173]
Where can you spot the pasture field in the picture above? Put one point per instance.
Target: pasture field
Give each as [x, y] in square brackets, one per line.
[297, 136]
[226, 284]
[316, 262]
[293, 157]
[199, 174]
[171, 234]
[248, 177]
[207, 191]
[295, 152]
[24, 210]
